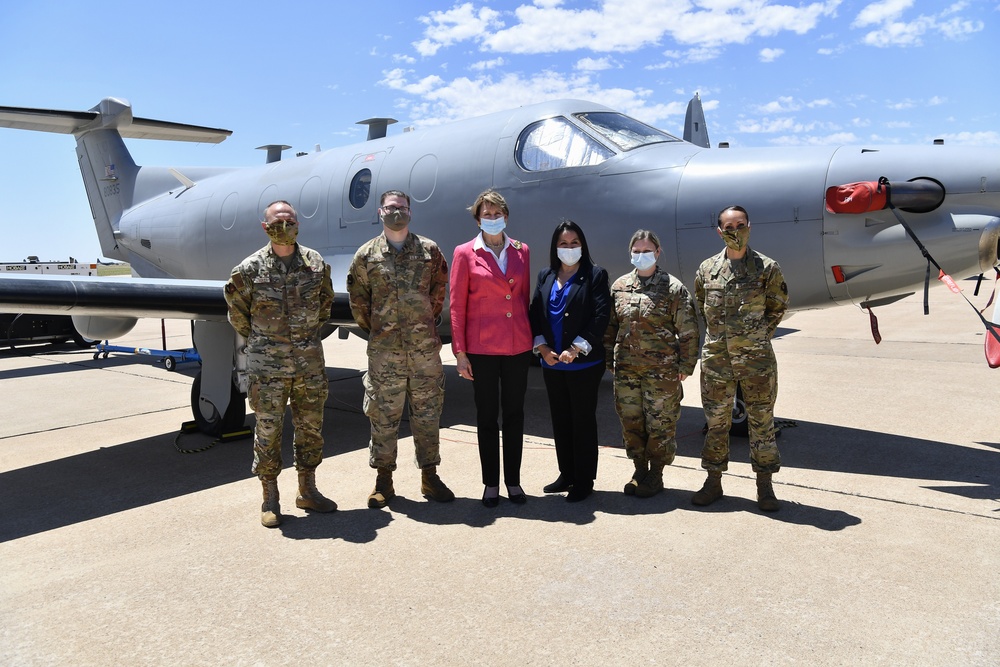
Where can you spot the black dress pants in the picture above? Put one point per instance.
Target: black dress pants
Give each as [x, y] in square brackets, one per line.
[499, 384]
[573, 404]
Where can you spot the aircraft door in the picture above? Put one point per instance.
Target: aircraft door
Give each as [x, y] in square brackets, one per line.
[359, 203]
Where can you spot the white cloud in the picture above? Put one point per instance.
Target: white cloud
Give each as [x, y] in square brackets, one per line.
[620, 26]
[594, 64]
[402, 58]
[780, 105]
[770, 55]
[881, 12]
[991, 138]
[487, 64]
[445, 101]
[457, 24]
[892, 30]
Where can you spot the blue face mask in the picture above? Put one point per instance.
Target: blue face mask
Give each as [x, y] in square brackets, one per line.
[643, 260]
[493, 227]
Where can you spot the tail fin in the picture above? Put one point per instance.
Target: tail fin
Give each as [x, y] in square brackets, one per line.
[695, 127]
[108, 170]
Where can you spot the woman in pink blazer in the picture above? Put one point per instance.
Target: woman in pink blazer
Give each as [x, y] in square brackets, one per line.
[491, 339]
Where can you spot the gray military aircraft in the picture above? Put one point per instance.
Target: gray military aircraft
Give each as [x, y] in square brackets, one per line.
[183, 229]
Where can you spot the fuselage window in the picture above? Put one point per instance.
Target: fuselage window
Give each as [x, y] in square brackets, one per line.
[361, 186]
[555, 143]
[621, 130]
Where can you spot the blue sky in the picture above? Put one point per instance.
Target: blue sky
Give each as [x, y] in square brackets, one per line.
[770, 73]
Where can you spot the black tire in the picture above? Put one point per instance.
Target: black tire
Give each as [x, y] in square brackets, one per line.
[216, 425]
[82, 342]
[740, 426]
[170, 364]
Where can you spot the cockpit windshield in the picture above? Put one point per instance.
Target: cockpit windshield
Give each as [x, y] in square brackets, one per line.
[625, 132]
[555, 143]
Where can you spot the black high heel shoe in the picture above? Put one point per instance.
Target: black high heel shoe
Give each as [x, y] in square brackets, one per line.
[491, 501]
[517, 498]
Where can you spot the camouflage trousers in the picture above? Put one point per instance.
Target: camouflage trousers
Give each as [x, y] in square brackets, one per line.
[268, 398]
[392, 378]
[648, 403]
[717, 397]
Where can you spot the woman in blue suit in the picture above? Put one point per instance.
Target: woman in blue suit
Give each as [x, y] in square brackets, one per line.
[569, 314]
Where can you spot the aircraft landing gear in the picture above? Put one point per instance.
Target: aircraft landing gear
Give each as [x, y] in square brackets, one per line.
[207, 416]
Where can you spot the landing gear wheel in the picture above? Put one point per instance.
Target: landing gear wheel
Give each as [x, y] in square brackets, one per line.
[171, 365]
[214, 423]
[82, 342]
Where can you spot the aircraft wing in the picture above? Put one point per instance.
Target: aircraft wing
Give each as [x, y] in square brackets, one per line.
[124, 297]
[114, 297]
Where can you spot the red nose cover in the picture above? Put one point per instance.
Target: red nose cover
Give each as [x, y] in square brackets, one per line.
[993, 348]
[856, 197]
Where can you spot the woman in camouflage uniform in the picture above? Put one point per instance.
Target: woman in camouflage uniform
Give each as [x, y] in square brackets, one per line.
[654, 334]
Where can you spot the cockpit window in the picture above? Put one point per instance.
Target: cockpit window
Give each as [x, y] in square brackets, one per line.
[625, 132]
[555, 143]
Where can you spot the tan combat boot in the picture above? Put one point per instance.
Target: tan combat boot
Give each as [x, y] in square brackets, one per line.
[432, 487]
[270, 511]
[765, 493]
[309, 496]
[710, 491]
[383, 492]
[641, 468]
[652, 483]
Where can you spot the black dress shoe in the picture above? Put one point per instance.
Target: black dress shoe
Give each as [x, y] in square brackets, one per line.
[579, 492]
[561, 484]
[517, 498]
[491, 501]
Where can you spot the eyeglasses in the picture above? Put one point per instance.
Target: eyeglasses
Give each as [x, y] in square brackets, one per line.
[396, 209]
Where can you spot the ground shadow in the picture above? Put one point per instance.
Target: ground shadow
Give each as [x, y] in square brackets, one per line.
[114, 479]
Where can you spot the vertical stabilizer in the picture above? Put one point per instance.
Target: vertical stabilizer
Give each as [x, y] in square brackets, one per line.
[109, 173]
[695, 128]
[108, 170]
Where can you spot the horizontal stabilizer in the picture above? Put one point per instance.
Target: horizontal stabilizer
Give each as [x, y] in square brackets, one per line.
[76, 122]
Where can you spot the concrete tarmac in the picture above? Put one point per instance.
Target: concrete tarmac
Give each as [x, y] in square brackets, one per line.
[116, 548]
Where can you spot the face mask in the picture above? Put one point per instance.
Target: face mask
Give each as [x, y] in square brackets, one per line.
[282, 232]
[396, 221]
[643, 260]
[736, 239]
[493, 227]
[569, 256]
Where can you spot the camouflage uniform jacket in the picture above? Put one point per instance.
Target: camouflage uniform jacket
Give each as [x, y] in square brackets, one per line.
[397, 297]
[742, 304]
[281, 311]
[652, 325]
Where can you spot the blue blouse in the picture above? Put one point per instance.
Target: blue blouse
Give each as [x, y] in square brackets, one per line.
[558, 297]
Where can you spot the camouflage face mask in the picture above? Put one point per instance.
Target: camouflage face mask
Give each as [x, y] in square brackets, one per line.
[736, 239]
[396, 220]
[283, 232]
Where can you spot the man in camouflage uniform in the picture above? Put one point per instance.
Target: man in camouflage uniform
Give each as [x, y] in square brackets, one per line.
[397, 285]
[742, 297]
[279, 298]
[654, 334]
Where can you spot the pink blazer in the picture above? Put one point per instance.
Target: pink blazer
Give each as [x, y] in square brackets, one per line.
[489, 309]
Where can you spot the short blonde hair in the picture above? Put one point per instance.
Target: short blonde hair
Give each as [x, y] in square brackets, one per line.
[491, 196]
